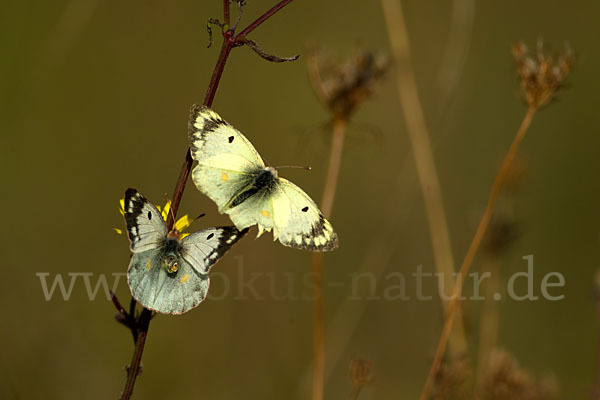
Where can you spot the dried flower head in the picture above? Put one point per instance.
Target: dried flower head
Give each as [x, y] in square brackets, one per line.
[541, 76]
[500, 235]
[452, 380]
[344, 85]
[504, 379]
[361, 373]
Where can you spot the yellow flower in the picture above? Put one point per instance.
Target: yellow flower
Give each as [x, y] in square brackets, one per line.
[180, 225]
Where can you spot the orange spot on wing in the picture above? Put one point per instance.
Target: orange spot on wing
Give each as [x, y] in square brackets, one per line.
[224, 176]
[148, 264]
[265, 213]
[185, 278]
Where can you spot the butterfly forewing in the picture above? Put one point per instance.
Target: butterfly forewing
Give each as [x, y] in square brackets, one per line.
[227, 161]
[299, 222]
[204, 248]
[145, 226]
[218, 144]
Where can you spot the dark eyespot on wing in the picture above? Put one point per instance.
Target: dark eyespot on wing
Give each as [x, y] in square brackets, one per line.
[230, 139]
[210, 236]
[149, 215]
[305, 209]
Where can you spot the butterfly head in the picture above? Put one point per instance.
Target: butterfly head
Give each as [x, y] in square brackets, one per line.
[170, 260]
[171, 264]
[272, 170]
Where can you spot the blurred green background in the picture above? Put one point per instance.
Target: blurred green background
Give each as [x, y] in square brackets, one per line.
[95, 98]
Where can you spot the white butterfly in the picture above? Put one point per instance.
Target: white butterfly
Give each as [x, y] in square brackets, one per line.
[168, 274]
[232, 173]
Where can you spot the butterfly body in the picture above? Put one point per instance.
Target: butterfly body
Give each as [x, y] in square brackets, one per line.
[232, 173]
[168, 274]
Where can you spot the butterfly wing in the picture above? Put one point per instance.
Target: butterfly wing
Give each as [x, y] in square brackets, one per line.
[227, 161]
[297, 220]
[168, 293]
[145, 226]
[256, 209]
[204, 248]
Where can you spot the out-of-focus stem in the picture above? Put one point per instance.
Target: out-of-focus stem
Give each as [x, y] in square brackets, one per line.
[488, 324]
[596, 389]
[473, 247]
[335, 160]
[426, 170]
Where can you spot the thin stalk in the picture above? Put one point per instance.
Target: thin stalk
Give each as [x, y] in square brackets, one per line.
[226, 17]
[425, 163]
[230, 41]
[262, 19]
[333, 171]
[474, 246]
[596, 387]
[488, 325]
[133, 370]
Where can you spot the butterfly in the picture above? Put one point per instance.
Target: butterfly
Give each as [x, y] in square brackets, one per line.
[232, 174]
[168, 274]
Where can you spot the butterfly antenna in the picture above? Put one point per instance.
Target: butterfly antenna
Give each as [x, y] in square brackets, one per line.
[197, 218]
[294, 166]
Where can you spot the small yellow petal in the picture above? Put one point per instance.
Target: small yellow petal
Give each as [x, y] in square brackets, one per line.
[119, 231]
[183, 222]
[165, 210]
[183, 235]
[122, 208]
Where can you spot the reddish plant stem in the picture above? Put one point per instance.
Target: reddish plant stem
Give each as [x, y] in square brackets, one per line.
[230, 40]
[226, 12]
[262, 18]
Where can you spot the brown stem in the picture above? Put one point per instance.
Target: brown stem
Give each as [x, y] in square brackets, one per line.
[333, 171]
[488, 324]
[474, 246]
[133, 370]
[226, 16]
[262, 19]
[229, 42]
[596, 387]
[424, 160]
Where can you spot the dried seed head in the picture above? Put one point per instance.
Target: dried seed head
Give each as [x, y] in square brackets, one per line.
[452, 380]
[500, 235]
[504, 379]
[361, 373]
[344, 86]
[541, 76]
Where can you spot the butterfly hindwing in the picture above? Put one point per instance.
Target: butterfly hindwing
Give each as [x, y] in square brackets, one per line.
[168, 293]
[257, 209]
[145, 226]
[204, 248]
[220, 185]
